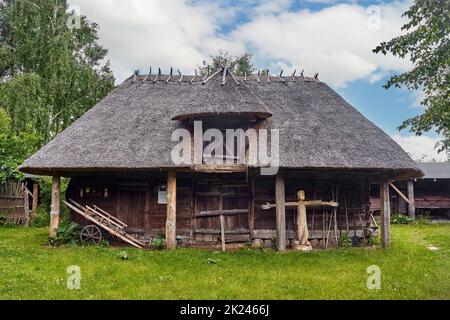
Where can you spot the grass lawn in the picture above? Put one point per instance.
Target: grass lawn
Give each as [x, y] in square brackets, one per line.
[32, 270]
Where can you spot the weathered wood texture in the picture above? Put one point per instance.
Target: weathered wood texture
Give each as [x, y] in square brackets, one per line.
[136, 203]
[12, 203]
[171, 219]
[385, 214]
[280, 199]
[411, 204]
[55, 206]
[35, 204]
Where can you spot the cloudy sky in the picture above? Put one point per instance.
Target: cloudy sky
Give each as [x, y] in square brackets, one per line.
[333, 38]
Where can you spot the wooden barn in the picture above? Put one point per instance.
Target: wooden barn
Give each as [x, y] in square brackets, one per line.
[429, 195]
[119, 156]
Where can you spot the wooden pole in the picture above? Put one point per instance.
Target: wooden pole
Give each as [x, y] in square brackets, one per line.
[280, 212]
[251, 208]
[26, 205]
[385, 214]
[55, 206]
[222, 232]
[35, 205]
[171, 232]
[411, 204]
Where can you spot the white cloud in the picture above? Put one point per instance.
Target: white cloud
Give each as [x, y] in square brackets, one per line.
[334, 41]
[420, 147]
[161, 33]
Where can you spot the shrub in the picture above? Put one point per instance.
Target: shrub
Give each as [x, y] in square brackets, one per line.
[373, 241]
[67, 233]
[159, 242]
[423, 219]
[401, 219]
[345, 241]
[42, 218]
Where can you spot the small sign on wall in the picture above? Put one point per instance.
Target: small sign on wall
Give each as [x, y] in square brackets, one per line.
[162, 194]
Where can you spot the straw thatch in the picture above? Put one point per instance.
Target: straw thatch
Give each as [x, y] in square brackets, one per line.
[131, 128]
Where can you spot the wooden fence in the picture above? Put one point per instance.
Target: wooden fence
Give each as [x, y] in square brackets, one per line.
[14, 203]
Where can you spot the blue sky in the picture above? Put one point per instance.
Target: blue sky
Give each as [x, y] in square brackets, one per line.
[334, 38]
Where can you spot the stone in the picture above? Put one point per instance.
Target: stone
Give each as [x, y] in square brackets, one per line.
[257, 244]
[268, 244]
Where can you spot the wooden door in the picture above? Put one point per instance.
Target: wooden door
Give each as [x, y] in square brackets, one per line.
[131, 207]
[219, 195]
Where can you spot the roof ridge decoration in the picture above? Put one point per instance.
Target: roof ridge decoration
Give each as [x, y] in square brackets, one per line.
[159, 77]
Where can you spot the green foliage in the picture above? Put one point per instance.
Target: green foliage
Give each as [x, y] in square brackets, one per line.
[345, 241]
[424, 218]
[67, 233]
[14, 147]
[400, 219]
[42, 218]
[123, 255]
[373, 241]
[45, 196]
[49, 76]
[239, 65]
[427, 43]
[159, 242]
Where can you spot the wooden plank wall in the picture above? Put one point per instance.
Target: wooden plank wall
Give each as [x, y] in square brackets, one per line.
[353, 196]
[136, 203]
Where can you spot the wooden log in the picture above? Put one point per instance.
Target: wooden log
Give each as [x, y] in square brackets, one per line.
[399, 193]
[26, 205]
[216, 213]
[280, 212]
[55, 206]
[222, 232]
[411, 204]
[171, 233]
[35, 204]
[251, 206]
[385, 214]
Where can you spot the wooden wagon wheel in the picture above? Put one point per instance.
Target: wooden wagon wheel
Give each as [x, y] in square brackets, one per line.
[91, 235]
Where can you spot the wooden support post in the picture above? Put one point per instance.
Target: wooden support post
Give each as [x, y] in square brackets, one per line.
[55, 206]
[35, 205]
[26, 205]
[171, 222]
[251, 207]
[280, 212]
[222, 232]
[385, 214]
[411, 204]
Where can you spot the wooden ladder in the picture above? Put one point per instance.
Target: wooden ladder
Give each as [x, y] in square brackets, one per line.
[105, 221]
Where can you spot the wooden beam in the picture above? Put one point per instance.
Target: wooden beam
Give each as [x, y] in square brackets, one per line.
[35, 205]
[280, 212]
[171, 230]
[26, 204]
[399, 192]
[385, 214]
[55, 206]
[412, 202]
[251, 206]
[217, 213]
[222, 232]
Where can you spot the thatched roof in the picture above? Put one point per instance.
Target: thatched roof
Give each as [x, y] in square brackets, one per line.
[131, 128]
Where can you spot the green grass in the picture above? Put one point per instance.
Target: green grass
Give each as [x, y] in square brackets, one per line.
[29, 269]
